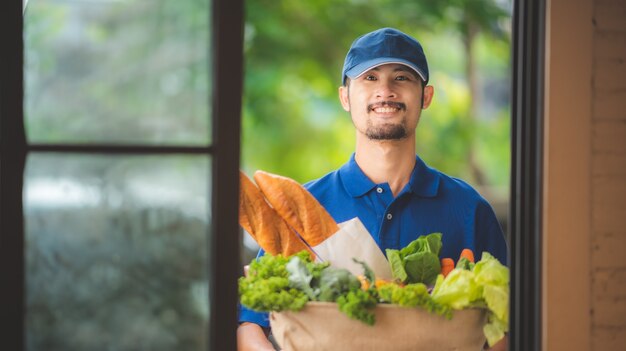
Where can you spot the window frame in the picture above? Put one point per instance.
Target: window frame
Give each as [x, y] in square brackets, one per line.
[223, 235]
[526, 191]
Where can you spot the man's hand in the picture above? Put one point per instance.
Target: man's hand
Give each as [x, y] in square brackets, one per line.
[252, 337]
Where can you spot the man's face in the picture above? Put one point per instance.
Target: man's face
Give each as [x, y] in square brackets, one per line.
[386, 102]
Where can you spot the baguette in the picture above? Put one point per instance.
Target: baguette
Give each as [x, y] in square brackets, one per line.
[297, 207]
[267, 228]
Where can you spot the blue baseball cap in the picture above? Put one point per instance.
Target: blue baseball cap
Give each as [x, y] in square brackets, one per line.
[383, 46]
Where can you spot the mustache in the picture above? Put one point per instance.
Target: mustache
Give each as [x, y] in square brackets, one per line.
[394, 104]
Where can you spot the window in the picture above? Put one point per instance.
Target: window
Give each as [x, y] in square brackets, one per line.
[119, 161]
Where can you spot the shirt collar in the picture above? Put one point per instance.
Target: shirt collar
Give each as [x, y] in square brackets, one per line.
[424, 180]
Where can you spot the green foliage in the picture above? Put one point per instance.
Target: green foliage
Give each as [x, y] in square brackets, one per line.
[412, 295]
[418, 262]
[117, 72]
[335, 283]
[267, 286]
[293, 123]
[484, 285]
[358, 304]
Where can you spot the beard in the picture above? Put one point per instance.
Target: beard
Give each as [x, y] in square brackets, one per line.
[387, 131]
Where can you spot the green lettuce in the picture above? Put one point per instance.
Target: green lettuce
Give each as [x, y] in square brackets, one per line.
[418, 262]
[397, 266]
[458, 290]
[485, 284]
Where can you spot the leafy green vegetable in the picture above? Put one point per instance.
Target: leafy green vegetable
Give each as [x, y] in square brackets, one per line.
[494, 278]
[336, 282]
[276, 283]
[397, 266]
[434, 242]
[357, 304]
[466, 264]
[458, 290]
[422, 267]
[300, 277]
[490, 271]
[367, 272]
[485, 284]
[266, 288]
[412, 295]
[494, 329]
[418, 262]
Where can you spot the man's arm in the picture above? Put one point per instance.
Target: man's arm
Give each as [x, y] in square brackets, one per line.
[252, 337]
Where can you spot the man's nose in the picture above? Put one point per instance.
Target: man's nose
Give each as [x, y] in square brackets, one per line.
[385, 89]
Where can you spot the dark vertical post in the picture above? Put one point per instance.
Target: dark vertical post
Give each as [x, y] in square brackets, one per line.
[12, 159]
[227, 75]
[526, 174]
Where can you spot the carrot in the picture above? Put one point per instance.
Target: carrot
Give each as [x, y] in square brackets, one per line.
[447, 265]
[365, 284]
[467, 253]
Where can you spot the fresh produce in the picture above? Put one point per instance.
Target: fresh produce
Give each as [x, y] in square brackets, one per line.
[447, 265]
[358, 304]
[412, 295]
[277, 283]
[320, 282]
[418, 262]
[468, 254]
[286, 278]
[486, 285]
[267, 286]
[466, 260]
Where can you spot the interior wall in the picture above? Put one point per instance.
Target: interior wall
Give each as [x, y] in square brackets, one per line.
[608, 176]
[584, 281]
[567, 162]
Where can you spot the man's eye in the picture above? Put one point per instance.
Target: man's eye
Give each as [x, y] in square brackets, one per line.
[402, 78]
[369, 77]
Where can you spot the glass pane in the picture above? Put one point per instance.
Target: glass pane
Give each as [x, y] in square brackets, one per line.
[111, 71]
[116, 252]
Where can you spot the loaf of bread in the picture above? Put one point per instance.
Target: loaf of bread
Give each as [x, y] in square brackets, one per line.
[297, 207]
[266, 226]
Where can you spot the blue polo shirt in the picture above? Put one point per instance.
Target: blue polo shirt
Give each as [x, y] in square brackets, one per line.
[430, 202]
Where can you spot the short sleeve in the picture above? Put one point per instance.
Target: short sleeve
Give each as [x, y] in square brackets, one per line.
[248, 315]
[489, 235]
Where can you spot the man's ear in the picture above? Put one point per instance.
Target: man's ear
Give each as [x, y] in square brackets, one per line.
[429, 91]
[344, 98]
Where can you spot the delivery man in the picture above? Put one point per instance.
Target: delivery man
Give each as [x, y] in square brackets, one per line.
[390, 189]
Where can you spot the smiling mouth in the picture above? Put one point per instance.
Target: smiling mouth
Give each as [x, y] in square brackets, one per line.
[386, 107]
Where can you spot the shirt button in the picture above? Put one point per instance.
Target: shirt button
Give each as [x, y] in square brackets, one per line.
[379, 190]
[389, 216]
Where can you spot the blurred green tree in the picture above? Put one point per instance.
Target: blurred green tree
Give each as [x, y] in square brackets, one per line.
[293, 123]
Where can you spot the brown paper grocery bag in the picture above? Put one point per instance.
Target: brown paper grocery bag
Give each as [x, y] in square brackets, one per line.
[321, 326]
[353, 241]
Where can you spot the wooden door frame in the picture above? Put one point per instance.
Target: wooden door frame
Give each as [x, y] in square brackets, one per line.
[227, 23]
